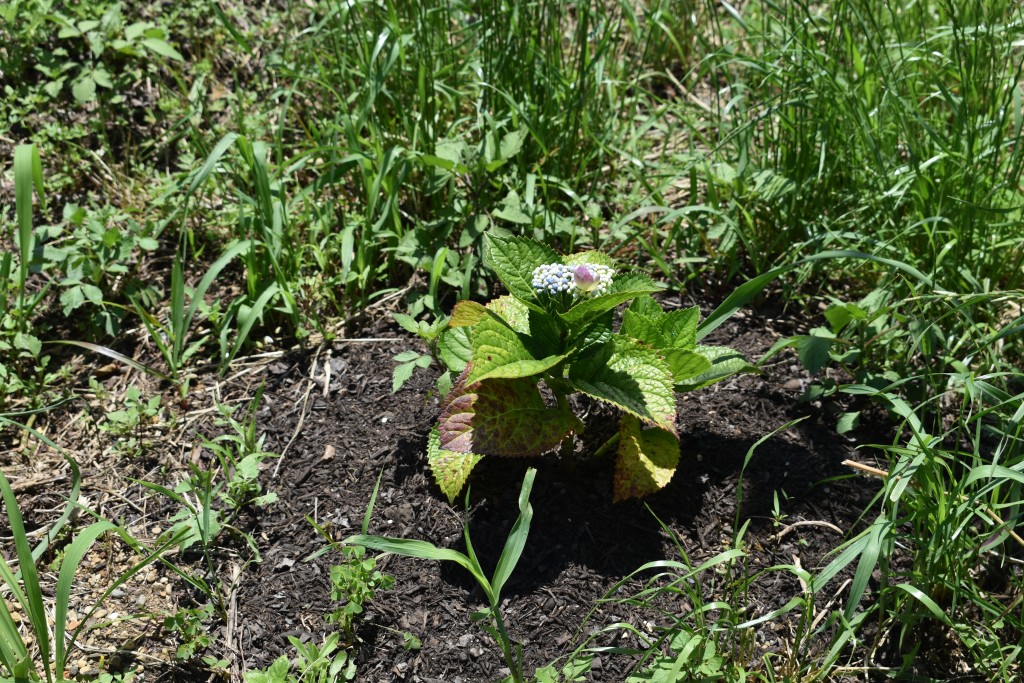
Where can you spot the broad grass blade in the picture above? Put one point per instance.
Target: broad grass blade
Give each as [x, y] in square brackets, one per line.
[516, 540]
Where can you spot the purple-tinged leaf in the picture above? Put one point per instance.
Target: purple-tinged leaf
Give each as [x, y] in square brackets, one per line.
[505, 417]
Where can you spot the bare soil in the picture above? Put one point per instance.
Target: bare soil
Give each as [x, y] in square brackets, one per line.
[331, 414]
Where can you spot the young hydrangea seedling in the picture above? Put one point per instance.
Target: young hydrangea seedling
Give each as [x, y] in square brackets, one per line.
[556, 326]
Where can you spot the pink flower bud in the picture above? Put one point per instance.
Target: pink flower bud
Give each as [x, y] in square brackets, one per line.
[585, 279]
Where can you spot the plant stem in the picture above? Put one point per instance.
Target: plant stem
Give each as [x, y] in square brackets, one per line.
[514, 666]
[607, 446]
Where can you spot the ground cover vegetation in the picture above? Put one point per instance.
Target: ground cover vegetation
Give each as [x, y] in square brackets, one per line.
[196, 194]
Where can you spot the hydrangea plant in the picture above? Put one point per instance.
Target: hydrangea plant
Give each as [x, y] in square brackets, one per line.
[556, 327]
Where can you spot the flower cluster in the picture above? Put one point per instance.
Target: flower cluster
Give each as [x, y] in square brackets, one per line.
[589, 280]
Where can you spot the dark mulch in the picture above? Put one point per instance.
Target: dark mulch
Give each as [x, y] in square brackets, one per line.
[581, 543]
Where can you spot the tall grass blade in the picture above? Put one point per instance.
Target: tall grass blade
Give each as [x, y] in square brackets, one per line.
[516, 540]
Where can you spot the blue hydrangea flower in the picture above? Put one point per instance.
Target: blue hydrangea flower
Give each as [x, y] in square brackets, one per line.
[580, 280]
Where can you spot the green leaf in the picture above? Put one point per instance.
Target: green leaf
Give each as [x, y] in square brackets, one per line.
[647, 459]
[511, 210]
[406, 322]
[589, 339]
[71, 298]
[748, 290]
[679, 328]
[685, 364]
[516, 540]
[623, 289]
[162, 48]
[93, 293]
[514, 259]
[596, 258]
[29, 343]
[102, 78]
[512, 143]
[813, 349]
[506, 417]
[632, 377]
[410, 547]
[838, 315]
[498, 352]
[646, 305]
[454, 348]
[84, 90]
[402, 374]
[848, 422]
[545, 335]
[450, 469]
[725, 363]
[642, 328]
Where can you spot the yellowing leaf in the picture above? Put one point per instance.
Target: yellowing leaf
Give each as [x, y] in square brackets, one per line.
[467, 313]
[505, 417]
[513, 311]
[647, 459]
[450, 469]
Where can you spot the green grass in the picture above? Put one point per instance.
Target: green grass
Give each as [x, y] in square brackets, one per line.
[284, 171]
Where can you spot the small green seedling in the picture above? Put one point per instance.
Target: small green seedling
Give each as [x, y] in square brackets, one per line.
[355, 582]
[490, 619]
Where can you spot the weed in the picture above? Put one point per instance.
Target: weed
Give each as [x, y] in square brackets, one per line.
[355, 582]
[191, 629]
[326, 663]
[490, 619]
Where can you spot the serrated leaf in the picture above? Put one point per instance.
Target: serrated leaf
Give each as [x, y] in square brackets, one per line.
[444, 383]
[632, 377]
[498, 352]
[622, 289]
[406, 321]
[684, 363]
[514, 259]
[467, 313]
[504, 417]
[647, 459]
[647, 305]
[454, 348]
[401, 375]
[450, 469]
[102, 78]
[725, 362]
[93, 293]
[135, 30]
[642, 328]
[545, 335]
[679, 328]
[596, 258]
[513, 311]
[595, 334]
